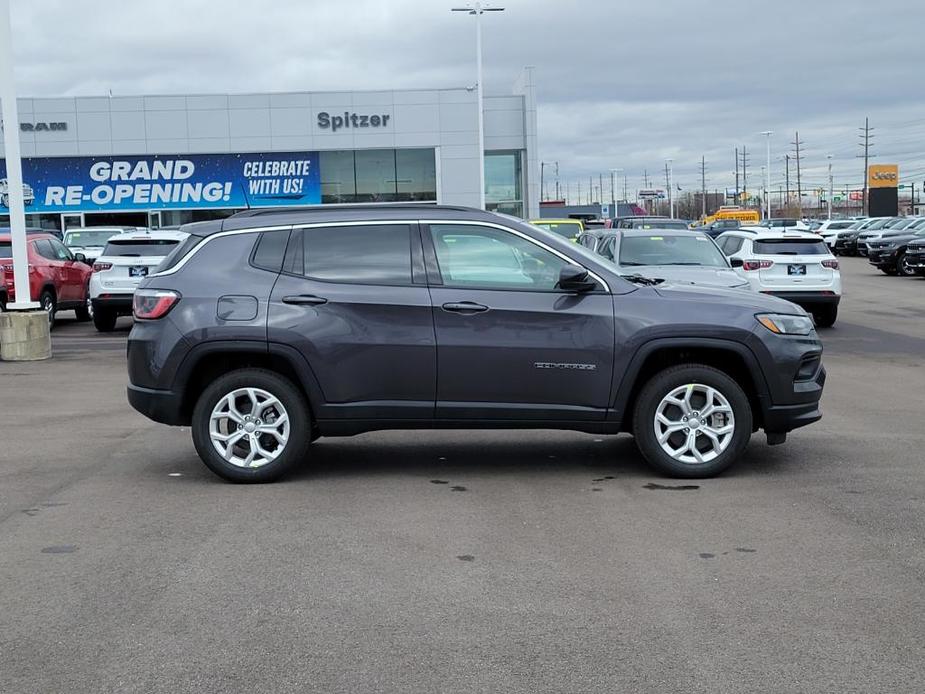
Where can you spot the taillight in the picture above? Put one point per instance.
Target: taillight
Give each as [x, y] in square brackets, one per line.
[831, 264]
[151, 304]
[752, 265]
[100, 267]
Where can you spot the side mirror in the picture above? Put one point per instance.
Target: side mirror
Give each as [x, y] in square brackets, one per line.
[80, 258]
[736, 262]
[573, 278]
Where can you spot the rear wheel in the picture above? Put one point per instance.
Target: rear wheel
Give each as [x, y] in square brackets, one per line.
[692, 421]
[83, 312]
[251, 425]
[48, 304]
[825, 316]
[104, 320]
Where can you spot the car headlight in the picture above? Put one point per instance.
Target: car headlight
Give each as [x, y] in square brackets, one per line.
[786, 324]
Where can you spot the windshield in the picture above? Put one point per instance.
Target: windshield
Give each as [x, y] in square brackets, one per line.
[568, 230]
[670, 250]
[878, 224]
[791, 247]
[88, 238]
[659, 224]
[138, 247]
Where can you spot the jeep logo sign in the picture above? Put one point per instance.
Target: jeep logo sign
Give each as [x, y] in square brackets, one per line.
[883, 176]
[41, 126]
[351, 120]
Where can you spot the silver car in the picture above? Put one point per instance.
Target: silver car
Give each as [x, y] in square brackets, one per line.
[680, 257]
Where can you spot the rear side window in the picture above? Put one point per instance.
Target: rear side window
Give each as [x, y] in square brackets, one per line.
[270, 250]
[731, 245]
[140, 247]
[44, 249]
[373, 254]
[179, 252]
[791, 247]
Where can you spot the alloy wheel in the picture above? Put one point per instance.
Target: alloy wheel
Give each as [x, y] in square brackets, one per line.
[249, 427]
[694, 423]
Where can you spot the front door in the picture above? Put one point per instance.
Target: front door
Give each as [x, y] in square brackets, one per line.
[510, 345]
[353, 300]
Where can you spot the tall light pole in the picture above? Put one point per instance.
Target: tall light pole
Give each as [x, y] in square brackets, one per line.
[13, 166]
[831, 191]
[767, 180]
[613, 196]
[477, 9]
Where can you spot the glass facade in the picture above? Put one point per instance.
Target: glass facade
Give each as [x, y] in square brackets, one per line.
[378, 175]
[504, 183]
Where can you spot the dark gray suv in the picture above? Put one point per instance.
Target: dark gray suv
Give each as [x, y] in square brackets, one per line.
[269, 329]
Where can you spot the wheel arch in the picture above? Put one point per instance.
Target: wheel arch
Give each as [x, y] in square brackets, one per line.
[206, 362]
[732, 358]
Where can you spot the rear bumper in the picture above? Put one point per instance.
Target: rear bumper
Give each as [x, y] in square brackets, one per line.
[162, 406]
[120, 303]
[821, 298]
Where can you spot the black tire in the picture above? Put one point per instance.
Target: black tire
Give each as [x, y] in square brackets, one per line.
[825, 316]
[49, 305]
[902, 269]
[658, 387]
[104, 320]
[82, 313]
[292, 400]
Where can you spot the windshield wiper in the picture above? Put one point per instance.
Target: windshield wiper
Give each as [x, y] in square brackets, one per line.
[130, 255]
[698, 264]
[639, 279]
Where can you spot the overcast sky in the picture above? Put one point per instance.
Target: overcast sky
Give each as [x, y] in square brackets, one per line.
[620, 84]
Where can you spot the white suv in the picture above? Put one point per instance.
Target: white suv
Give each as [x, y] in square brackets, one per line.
[829, 229]
[794, 265]
[126, 260]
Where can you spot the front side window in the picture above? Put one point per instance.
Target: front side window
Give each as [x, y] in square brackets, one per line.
[489, 258]
[60, 250]
[373, 254]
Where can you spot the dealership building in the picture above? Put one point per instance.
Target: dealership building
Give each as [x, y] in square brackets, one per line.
[171, 159]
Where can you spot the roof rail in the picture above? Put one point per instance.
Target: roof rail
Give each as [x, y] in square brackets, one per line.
[315, 209]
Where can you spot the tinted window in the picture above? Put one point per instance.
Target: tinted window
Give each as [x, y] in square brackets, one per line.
[732, 245]
[139, 247]
[791, 247]
[270, 249]
[6, 250]
[473, 256]
[375, 254]
[179, 252]
[606, 248]
[60, 250]
[568, 230]
[44, 249]
[656, 249]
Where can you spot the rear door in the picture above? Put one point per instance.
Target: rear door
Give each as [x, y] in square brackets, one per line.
[53, 268]
[353, 300]
[70, 289]
[510, 345]
[796, 263]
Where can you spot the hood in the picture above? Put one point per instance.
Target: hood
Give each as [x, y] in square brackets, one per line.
[900, 238]
[750, 301]
[693, 274]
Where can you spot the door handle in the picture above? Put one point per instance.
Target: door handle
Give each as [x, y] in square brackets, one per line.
[304, 300]
[464, 307]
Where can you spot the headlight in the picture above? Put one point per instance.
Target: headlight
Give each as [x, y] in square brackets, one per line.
[786, 324]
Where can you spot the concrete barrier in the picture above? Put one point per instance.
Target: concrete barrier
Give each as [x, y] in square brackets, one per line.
[24, 336]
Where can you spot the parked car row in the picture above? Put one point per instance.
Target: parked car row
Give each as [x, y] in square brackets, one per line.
[92, 272]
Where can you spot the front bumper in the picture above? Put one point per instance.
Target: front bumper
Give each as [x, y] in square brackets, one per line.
[882, 257]
[846, 245]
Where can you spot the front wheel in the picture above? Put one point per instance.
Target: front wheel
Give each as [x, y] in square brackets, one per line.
[903, 267]
[692, 421]
[251, 425]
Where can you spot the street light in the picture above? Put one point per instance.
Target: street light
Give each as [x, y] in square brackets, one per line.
[767, 180]
[476, 9]
[613, 195]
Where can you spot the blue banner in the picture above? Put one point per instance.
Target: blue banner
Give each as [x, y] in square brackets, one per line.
[153, 182]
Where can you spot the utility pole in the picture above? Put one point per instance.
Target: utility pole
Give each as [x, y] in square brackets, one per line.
[557, 180]
[865, 143]
[703, 186]
[624, 189]
[613, 196]
[796, 143]
[831, 188]
[542, 180]
[590, 189]
[600, 186]
[787, 181]
[745, 174]
[737, 176]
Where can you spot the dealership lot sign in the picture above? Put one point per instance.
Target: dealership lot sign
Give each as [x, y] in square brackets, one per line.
[87, 184]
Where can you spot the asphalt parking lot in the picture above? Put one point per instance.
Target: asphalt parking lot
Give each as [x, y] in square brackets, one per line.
[468, 561]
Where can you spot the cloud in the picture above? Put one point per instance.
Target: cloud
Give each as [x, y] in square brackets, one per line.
[620, 84]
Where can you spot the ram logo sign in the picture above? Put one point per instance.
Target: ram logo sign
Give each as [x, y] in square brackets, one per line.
[42, 126]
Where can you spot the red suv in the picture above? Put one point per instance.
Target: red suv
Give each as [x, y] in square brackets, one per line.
[57, 278]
